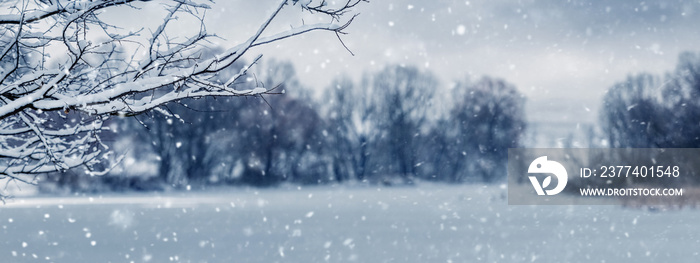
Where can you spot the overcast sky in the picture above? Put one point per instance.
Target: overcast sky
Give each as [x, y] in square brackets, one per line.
[562, 55]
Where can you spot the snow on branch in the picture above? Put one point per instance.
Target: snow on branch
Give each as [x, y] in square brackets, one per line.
[43, 11]
[64, 71]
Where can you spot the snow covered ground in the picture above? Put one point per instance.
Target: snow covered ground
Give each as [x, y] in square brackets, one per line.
[429, 223]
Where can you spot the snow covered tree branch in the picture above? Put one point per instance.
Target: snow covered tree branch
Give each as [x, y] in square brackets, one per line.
[64, 71]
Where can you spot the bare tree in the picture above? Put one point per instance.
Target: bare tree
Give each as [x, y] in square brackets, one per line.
[487, 120]
[350, 118]
[404, 96]
[633, 115]
[64, 71]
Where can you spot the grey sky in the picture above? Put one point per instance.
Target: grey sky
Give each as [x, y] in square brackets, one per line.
[562, 55]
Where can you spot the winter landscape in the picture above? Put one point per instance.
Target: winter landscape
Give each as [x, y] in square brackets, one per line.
[341, 131]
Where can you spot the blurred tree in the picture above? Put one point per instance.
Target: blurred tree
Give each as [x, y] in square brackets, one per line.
[486, 121]
[438, 152]
[680, 98]
[280, 138]
[349, 115]
[632, 114]
[645, 112]
[403, 97]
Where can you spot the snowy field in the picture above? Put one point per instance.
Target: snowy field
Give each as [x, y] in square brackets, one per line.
[429, 223]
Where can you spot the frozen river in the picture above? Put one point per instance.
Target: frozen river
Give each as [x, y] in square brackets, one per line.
[428, 223]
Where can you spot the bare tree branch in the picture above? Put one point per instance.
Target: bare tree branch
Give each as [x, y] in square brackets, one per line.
[64, 72]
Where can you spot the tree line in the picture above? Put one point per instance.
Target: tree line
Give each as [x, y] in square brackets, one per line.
[391, 127]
